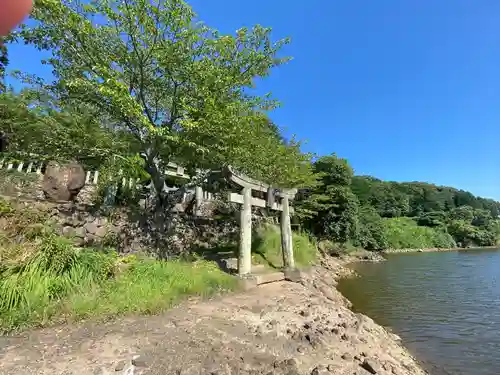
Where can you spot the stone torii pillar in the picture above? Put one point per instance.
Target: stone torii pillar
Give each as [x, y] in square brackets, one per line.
[246, 200]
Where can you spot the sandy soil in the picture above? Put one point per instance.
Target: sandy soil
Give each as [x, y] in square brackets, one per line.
[280, 328]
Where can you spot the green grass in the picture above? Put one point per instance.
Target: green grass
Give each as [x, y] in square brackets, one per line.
[266, 247]
[404, 233]
[50, 281]
[148, 287]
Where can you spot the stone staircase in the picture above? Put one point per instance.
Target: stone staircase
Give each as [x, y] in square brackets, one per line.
[260, 274]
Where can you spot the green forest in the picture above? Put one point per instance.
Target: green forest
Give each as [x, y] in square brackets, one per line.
[376, 215]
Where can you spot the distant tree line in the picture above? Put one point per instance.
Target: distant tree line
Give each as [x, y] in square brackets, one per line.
[368, 212]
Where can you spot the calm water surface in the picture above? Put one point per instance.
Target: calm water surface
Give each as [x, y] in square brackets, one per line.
[445, 306]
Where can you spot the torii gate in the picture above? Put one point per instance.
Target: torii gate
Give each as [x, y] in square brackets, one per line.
[248, 184]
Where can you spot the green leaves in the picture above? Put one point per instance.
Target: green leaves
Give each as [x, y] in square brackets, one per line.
[4, 61]
[71, 134]
[177, 86]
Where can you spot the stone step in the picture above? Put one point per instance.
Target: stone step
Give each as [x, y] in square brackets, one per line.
[269, 277]
[232, 264]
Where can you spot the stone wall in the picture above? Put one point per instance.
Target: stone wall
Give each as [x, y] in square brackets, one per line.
[128, 230]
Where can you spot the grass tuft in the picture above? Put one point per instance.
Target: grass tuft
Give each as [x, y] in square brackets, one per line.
[266, 247]
[52, 281]
[149, 287]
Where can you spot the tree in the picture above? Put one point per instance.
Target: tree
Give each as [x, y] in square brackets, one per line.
[432, 219]
[72, 134]
[371, 231]
[340, 222]
[388, 201]
[362, 186]
[464, 213]
[4, 61]
[177, 86]
[334, 170]
[330, 208]
[482, 218]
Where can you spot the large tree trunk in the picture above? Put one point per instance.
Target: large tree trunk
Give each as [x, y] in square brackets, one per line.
[152, 166]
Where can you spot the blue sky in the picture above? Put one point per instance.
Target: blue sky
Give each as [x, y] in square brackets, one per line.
[405, 90]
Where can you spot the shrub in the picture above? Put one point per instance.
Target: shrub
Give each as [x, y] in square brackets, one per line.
[338, 249]
[404, 233]
[24, 222]
[266, 247]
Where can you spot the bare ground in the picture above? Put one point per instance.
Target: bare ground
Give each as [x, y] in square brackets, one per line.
[280, 328]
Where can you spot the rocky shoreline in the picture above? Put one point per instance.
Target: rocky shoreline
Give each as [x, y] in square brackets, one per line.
[304, 328]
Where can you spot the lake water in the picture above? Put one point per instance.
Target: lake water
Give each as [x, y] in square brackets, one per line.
[445, 306]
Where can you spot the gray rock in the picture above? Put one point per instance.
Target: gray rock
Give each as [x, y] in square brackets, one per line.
[76, 222]
[63, 182]
[347, 357]
[101, 221]
[140, 362]
[327, 293]
[68, 231]
[120, 365]
[288, 366]
[101, 232]
[320, 370]
[371, 366]
[91, 228]
[80, 232]
[78, 241]
[332, 368]
[355, 340]
[90, 239]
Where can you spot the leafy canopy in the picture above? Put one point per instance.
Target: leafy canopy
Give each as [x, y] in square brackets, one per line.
[179, 87]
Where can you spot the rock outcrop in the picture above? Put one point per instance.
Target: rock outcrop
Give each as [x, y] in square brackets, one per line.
[281, 328]
[63, 182]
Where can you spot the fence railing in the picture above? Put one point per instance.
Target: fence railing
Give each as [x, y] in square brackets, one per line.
[92, 177]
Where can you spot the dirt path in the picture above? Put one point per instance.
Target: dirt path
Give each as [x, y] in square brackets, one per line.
[279, 328]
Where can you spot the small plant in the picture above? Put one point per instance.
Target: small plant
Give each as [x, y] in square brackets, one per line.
[129, 259]
[110, 239]
[38, 230]
[5, 207]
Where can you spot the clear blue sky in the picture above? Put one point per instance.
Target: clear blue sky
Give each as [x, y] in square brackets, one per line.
[406, 90]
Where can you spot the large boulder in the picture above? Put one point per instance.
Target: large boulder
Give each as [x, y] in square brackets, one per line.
[63, 182]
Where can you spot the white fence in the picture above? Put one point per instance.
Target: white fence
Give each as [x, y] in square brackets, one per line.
[92, 177]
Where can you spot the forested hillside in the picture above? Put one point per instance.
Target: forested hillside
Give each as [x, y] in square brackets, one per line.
[377, 214]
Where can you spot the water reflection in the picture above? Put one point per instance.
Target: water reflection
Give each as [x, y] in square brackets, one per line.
[446, 306]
